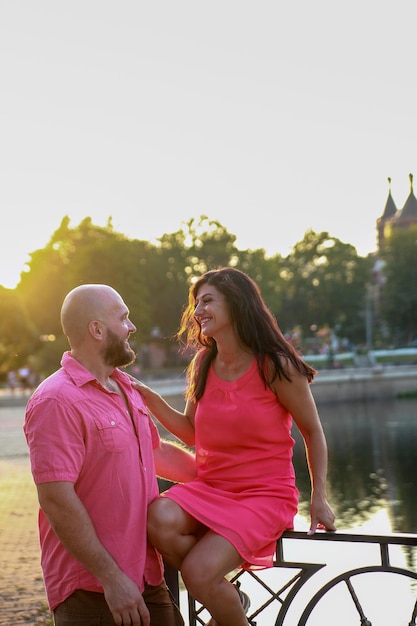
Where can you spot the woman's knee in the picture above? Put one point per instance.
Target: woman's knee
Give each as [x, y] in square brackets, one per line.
[193, 580]
[162, 517]
[197, 576]
[208, 563]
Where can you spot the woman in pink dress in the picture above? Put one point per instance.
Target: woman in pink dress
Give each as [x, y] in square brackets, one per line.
[246, 384]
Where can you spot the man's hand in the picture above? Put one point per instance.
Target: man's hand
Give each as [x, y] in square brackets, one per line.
[126, 603]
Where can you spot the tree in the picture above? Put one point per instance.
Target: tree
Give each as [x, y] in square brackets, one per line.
[325, 286]
[101, 255]
[399, 293]
[209, 246]
[180, 257]
[75, 256]
[321, 282]
[266, 272]
[18, 337]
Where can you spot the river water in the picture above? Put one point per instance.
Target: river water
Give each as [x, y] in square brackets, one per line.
[372, 463]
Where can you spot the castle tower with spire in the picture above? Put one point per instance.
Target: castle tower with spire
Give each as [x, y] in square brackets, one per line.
[393, 218]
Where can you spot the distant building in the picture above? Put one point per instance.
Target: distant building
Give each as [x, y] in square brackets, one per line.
[393, 218]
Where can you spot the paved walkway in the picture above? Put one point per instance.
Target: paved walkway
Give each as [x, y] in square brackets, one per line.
[22, 595]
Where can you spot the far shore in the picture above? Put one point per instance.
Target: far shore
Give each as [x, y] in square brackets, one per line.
[330, 385]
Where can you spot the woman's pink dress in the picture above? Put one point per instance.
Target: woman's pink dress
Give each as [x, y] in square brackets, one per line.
[245, 487]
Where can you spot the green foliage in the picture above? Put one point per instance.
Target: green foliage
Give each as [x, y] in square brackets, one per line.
[17, 334]
[321, 284]
[266, 272]
[325, 282]
[399, 295]
[180, 257]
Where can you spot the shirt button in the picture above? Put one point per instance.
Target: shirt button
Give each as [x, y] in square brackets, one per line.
[112, 422]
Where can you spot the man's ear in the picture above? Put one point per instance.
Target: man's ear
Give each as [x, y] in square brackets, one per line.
[96, 329]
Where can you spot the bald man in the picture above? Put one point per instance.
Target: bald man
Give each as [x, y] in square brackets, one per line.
[95, 454]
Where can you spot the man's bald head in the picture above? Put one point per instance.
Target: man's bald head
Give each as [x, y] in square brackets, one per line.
[84, 304]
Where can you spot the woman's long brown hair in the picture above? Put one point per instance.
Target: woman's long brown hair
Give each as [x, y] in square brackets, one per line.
[255, 326]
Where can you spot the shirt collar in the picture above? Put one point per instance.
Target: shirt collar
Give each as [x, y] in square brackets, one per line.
[80, 375]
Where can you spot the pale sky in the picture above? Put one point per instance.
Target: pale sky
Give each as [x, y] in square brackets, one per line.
[271, 117]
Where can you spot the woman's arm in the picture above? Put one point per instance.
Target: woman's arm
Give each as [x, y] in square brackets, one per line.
[174, 462]
[179, 424]
[297, 398]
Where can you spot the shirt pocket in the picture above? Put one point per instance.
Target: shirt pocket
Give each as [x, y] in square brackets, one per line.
[113, 432]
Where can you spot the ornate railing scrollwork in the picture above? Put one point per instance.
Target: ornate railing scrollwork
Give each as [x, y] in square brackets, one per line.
[282, 598]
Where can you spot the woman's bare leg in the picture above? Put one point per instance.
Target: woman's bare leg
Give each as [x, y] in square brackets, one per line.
[203, 557]
[203, 572]
[172, 531]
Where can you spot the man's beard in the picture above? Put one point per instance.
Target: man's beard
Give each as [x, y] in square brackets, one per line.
[116, 353]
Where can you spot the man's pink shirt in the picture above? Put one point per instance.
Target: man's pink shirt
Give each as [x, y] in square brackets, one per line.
[79, 432]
